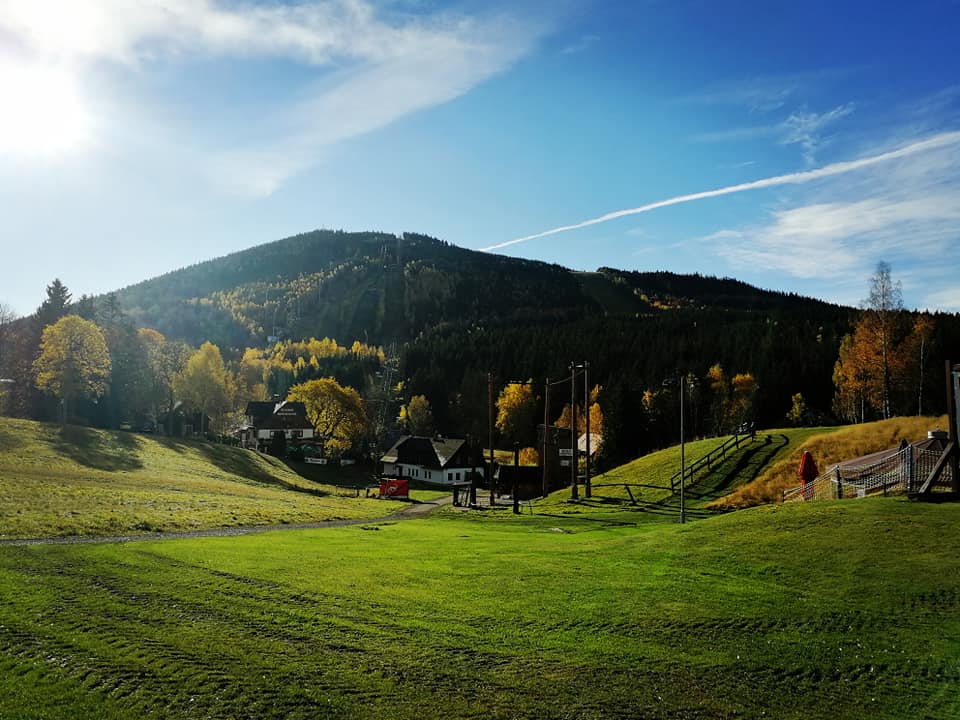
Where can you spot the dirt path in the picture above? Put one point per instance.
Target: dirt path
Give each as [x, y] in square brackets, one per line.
[408, 512]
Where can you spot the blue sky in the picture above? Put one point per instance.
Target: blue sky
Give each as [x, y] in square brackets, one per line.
[140, 137]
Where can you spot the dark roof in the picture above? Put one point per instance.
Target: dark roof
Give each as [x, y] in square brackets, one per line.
[270, 415]
[259, 408]
[428, 452]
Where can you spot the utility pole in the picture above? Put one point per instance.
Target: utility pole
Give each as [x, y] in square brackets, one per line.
[586, 404]
[683, 461]
[574, 489]
[490, 427]
[516, 478]
[546, 427]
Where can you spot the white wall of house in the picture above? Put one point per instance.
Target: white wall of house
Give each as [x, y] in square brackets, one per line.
[418, 472]
[305, 434]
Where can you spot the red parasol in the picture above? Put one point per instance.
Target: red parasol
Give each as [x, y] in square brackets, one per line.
[807, 471]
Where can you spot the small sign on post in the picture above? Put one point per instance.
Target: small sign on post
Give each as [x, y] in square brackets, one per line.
[566, 452]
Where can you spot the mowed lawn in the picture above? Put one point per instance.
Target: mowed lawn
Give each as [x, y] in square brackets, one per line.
[80, 481]
[821, 610]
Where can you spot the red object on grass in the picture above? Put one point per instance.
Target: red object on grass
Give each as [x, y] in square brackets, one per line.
[395, 488]
[807, 471]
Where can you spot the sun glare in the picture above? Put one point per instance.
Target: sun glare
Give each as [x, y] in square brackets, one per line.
[42, 113]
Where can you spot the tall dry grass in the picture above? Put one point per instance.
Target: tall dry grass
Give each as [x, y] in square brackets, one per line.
[829, 448]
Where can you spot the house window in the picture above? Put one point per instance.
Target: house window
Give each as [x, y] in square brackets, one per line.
[399, 470]
[296, 433]
[458, 477]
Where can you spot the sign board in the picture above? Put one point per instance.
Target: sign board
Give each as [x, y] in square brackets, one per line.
[348, 461]
[564, 463]
[566, 452]
[315, 461]
[395, 488]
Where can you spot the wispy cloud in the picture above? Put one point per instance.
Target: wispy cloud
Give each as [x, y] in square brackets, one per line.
[376, 65]
[757, 94]
[133, 32]
[948, 299]
[806, 129]
[828, 240]
[738, 134]
[948, 140]
[802, 127]
[906, 211]
[581, 44]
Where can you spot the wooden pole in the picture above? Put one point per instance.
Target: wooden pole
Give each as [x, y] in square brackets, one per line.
[586, 404]
[546, 430]
[490, 428]
[953, 374]
[574, 489]
[516, 473]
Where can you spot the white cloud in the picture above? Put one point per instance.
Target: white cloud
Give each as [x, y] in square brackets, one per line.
[806, 129]
[375, 67]
[131, 32]
[580, 45]
[947, 299]
[906, 212]
[945, 143]
[758, 94]
[801, 127]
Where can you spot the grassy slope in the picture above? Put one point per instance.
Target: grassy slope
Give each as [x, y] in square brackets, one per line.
[84, 481]
[820, 610]
[656, 502]
[839, 444]
[753, 475]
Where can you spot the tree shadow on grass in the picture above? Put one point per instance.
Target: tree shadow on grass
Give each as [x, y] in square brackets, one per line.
[111, 451]
[747, 467]
[242, 463]
[9, 441]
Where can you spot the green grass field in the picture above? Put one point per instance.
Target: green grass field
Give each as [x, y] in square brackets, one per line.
[820, 610]
[80, 481]
[587, 610]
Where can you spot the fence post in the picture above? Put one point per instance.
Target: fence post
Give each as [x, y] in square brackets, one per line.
[910, 470]
[839, 484]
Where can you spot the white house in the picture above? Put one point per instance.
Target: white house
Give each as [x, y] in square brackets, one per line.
[433, 460]
[267, 420]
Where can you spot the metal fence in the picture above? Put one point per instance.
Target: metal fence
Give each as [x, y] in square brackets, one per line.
[903, 470]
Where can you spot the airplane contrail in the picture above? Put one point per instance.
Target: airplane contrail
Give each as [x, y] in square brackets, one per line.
[937, 141]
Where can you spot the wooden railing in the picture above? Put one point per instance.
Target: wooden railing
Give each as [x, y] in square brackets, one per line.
[707, 461]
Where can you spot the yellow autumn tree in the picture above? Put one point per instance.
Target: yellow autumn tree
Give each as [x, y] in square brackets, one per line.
[529, 456]
[516, 412]
[596, 415]
[74, 361]
[744, 391]
[337, 412]
[417, 416]
[206, 385]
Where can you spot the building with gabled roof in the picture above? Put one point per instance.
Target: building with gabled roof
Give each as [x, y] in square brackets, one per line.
[266, 420]
[437, 460]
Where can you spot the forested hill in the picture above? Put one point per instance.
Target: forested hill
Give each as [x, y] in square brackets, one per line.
[381, 288]
[455, 315]
[370, 286]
